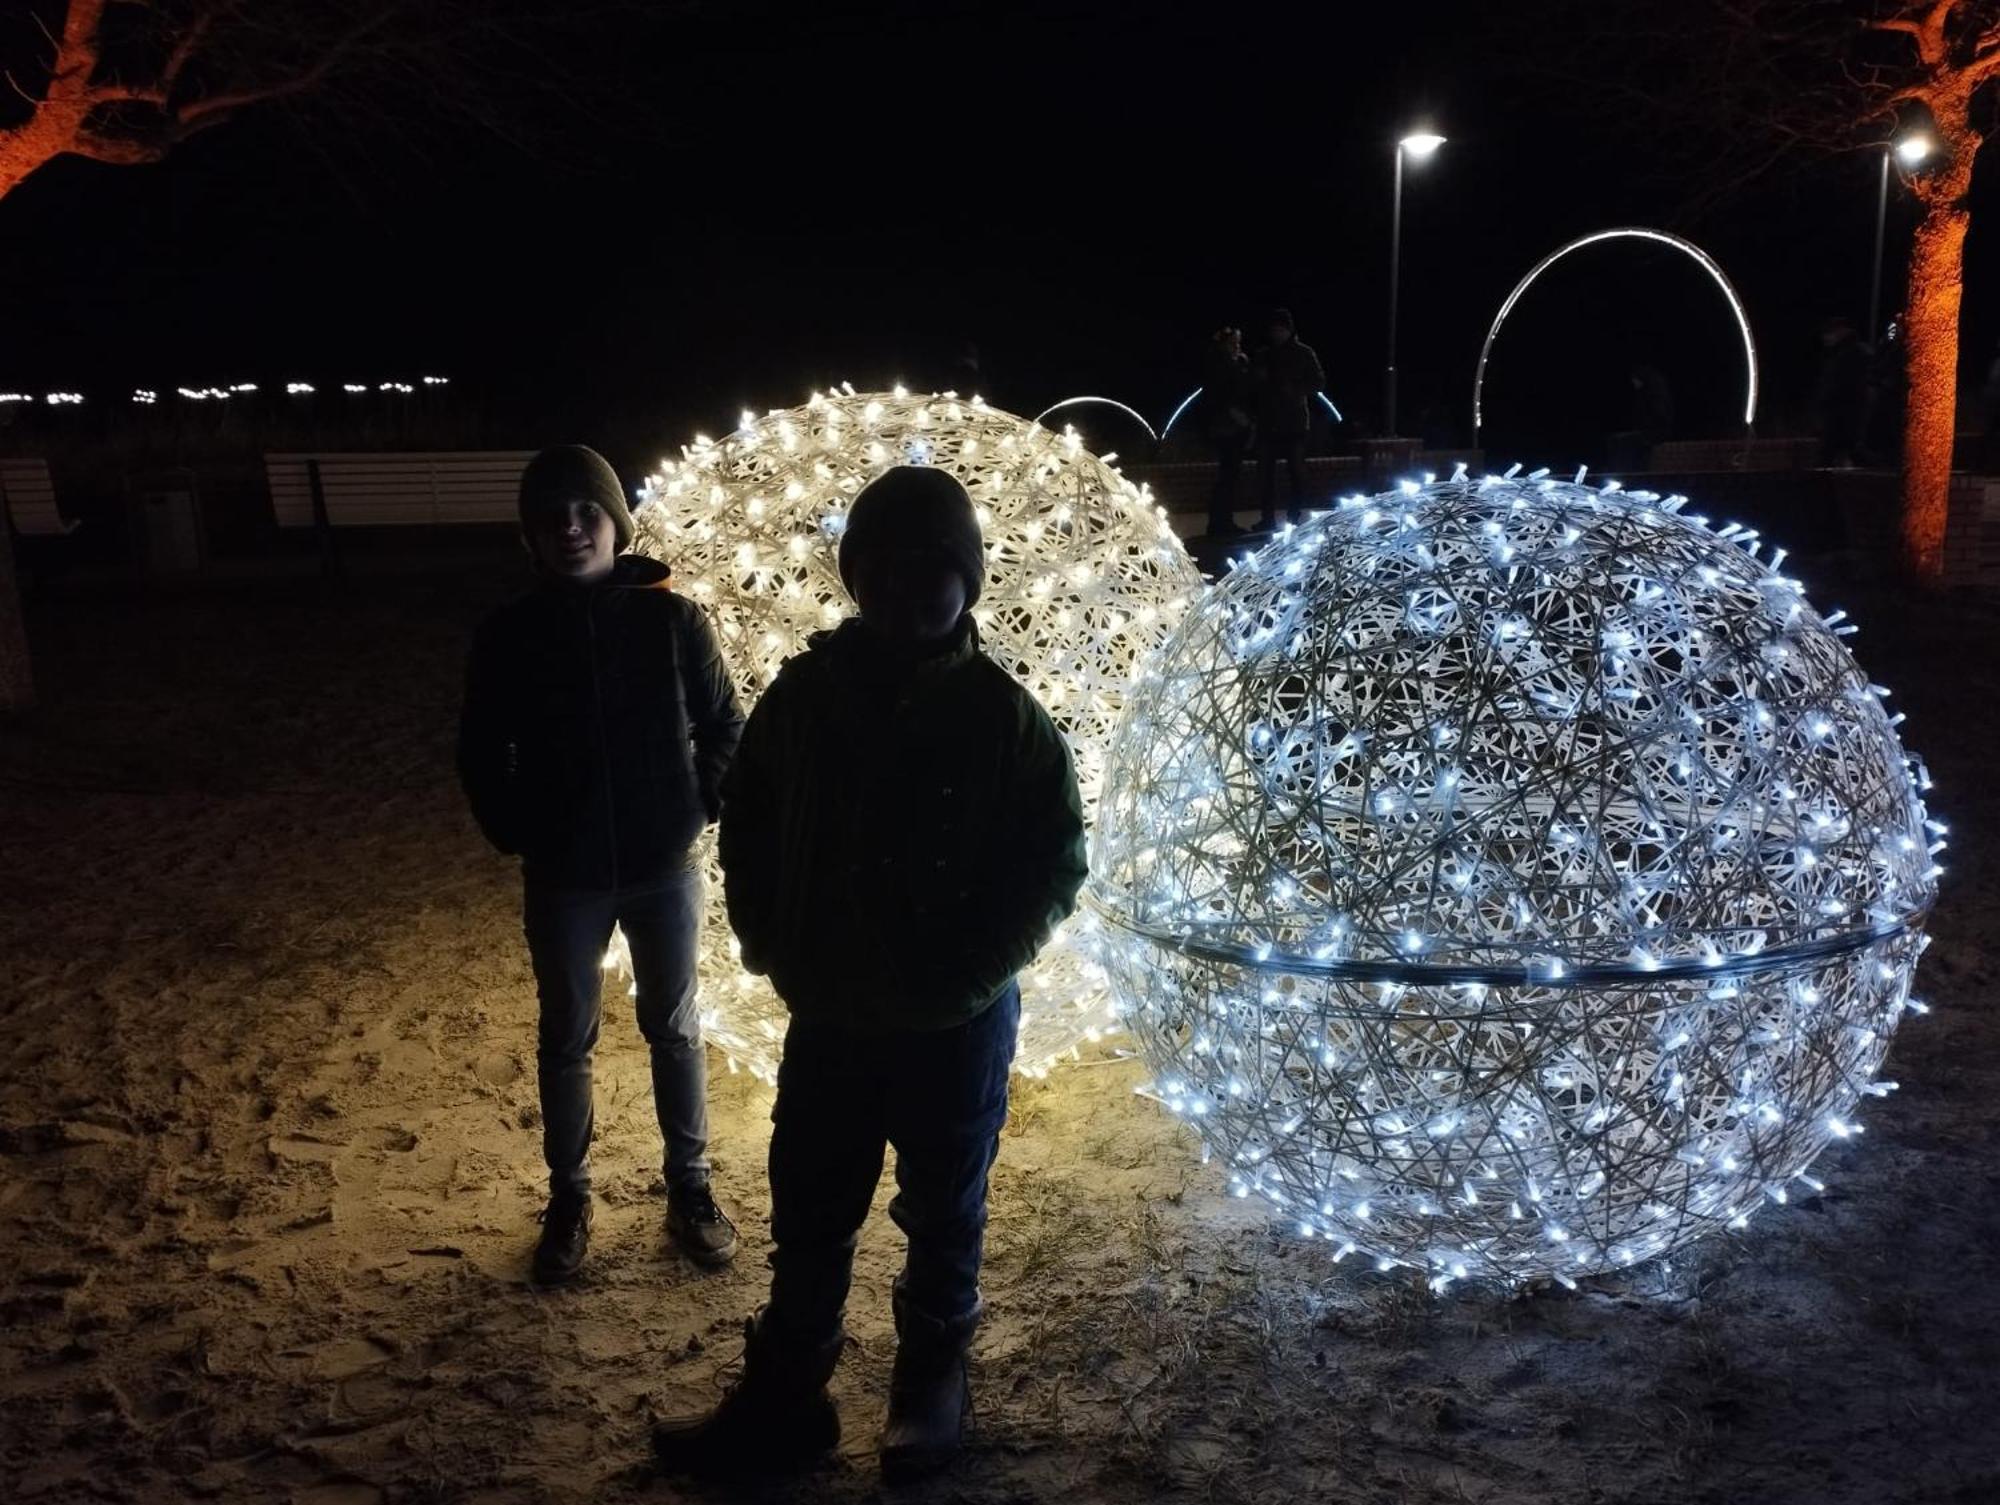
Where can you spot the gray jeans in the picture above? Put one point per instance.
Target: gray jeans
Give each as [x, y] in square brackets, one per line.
[568, 932]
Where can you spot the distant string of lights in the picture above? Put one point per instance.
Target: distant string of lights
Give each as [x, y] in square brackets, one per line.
[149, 396]
[294, 389]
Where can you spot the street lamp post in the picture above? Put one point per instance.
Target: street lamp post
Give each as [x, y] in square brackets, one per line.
[1418, 145]
[1912, 149]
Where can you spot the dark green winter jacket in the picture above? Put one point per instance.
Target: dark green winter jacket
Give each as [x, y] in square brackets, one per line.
[899, 837]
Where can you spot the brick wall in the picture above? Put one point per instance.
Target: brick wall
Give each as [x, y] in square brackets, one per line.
[1972, 531]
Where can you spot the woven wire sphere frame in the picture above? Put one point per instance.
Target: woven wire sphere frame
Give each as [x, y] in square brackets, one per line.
[1512, 880]
[1084, 578]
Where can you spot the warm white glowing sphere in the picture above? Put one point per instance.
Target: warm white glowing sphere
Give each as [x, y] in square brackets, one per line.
[1084, 577]
[1511, 879]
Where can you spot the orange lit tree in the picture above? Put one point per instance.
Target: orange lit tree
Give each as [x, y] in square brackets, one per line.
[1725, 94]
[1952, 51]
[126, 81]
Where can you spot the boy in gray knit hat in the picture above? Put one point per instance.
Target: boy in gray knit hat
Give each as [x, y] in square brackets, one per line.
[598, 722]
[900, 834]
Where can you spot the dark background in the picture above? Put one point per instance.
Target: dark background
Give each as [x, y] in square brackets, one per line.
[749, 201]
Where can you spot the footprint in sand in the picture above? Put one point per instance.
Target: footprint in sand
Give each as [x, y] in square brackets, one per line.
[300, 1147]
[497, 1069]
[392, 1138]
[342, 1493]
[343, 1358]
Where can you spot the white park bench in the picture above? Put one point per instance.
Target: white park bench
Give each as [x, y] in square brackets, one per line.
[1686, 456]
[362, 490]
[31, 499]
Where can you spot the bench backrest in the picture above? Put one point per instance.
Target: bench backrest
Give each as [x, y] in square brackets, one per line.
[1783, 453]
[31, 497]
[452, 486]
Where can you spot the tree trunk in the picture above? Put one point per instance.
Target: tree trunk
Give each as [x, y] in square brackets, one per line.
[1937, 263]
[17, 676]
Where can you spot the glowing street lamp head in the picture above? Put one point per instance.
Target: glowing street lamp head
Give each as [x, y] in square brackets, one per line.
[1914, 148]
[1420, 144]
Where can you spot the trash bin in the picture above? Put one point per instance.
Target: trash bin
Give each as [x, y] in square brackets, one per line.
[171, 526]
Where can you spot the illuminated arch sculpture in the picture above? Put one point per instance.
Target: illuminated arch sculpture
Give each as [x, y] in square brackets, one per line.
[1626, 232]
[1103, 402]
[1084, 578]
[1188, 401]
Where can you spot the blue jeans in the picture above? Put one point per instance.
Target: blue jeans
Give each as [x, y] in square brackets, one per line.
[941, 1099]
[567, 935]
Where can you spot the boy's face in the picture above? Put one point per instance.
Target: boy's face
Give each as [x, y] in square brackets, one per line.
[910, 596]
[575, 541]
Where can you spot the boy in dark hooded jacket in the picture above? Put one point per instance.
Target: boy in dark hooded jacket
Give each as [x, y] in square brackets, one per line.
[598, 722]
[901, 832]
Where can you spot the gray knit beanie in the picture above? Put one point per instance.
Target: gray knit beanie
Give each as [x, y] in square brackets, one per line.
[574, 472]
[916, 506]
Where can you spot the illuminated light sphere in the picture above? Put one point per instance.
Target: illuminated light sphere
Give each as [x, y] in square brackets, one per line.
[1084, 577]
[1512, 880]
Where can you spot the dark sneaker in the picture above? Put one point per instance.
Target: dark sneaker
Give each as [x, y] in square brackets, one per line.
[565, 1240]
[701, 1229]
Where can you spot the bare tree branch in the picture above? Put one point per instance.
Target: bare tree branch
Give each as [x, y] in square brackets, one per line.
[192, 115]
[1983, 66]
[1899, 24]
[190, 43]
[126, 80]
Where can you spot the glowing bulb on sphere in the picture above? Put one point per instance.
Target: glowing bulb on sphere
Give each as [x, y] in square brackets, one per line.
[1512, 880]
[1084, 578]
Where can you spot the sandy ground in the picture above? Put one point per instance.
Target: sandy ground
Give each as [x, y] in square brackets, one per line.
[268, 1168]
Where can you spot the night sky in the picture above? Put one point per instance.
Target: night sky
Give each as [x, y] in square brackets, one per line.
[769, 198]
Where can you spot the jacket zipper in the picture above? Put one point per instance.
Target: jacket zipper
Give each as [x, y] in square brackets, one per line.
[603, 739]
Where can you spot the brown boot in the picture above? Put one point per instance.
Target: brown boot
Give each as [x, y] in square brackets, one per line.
[775, 1419]
[930, 1396]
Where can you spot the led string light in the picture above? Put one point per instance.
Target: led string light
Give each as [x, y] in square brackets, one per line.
[147, 396]
[1512, 880]
[1084, 578]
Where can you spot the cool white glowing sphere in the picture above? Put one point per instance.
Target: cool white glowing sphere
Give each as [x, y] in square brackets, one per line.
[1084, 577]
[1512, 880]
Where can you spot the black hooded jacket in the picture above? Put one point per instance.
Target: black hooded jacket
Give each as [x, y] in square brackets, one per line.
[598, 723]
